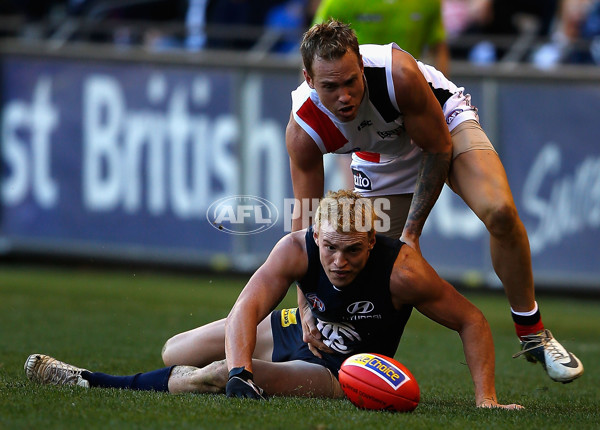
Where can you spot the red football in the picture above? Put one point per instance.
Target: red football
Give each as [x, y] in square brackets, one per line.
[374, 381]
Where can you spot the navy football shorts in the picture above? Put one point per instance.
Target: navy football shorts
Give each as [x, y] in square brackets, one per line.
[288, 345]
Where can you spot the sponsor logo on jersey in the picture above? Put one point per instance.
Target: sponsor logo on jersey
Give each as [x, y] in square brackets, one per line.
[361, 181]
[341, 337]
[363, 307]
[288, 317]
[390, 133]
[362, 311]
[315, 302]
[365, 123]
[381, 367]
[453, 115]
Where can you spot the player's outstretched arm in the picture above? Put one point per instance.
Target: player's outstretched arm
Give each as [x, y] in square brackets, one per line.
[415, 282]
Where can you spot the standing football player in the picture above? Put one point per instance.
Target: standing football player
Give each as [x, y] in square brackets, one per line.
[410, 130]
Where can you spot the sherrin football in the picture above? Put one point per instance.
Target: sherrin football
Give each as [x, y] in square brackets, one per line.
[374, 381]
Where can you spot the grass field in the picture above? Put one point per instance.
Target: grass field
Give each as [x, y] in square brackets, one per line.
[116, 321]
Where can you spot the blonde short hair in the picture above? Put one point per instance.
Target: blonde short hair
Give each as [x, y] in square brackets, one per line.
[347, 212]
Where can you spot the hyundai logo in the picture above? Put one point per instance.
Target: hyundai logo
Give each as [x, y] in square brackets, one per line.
[242, 214]
[360, 308]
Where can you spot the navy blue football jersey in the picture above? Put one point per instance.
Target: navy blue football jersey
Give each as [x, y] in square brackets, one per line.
[359, 317]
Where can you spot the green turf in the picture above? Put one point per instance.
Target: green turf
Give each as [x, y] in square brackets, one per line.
[117, 322]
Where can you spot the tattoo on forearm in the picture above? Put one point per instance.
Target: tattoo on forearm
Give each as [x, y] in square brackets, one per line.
[432, 175]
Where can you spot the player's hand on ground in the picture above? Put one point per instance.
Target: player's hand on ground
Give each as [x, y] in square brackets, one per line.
[491, 403]
[311, 334]
[241, 384]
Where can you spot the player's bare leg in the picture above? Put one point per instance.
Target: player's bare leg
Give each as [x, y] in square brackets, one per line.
[197, 347]
[479, 178]
[294, 378]
[209, 379]
[206, 344]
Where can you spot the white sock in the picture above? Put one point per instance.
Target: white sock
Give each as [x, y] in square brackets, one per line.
[526, 314]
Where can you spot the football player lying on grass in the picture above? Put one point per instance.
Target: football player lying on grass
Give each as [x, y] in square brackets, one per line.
[362, 288]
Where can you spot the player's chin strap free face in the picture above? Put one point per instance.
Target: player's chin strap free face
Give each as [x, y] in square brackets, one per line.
[241, 384]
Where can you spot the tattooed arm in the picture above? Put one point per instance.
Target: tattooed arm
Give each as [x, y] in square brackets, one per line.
[424, 122]
[432, 175]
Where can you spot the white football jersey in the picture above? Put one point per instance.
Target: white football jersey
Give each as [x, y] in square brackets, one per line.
[384, 159]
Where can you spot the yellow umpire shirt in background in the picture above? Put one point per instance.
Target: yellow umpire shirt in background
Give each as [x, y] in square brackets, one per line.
[412, 24]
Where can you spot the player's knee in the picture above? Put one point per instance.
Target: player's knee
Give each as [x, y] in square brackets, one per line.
[167, 353]
[502, 220]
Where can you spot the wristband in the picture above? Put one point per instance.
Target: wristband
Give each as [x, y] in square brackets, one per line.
[241, 373]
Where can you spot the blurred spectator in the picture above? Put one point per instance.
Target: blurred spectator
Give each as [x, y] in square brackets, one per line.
[507, 16]
[460, 16]
[576, 37]
[415, 25]
[219, 24]
[195, 22]
[123, 16]
[590, 31]
[491, 18]
[34, 12]
[291, 19]
[130, 10]
[123, 22]
[226, 24]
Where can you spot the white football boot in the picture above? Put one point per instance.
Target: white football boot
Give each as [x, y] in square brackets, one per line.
[47, 370]
[560, 364]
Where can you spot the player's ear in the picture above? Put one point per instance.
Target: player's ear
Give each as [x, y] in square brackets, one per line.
[372, 242]
[308, 79]
[316, 237]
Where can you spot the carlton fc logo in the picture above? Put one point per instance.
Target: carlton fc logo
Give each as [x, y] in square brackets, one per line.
[316, 302]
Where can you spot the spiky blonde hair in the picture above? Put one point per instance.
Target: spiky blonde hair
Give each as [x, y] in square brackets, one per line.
[346, 211]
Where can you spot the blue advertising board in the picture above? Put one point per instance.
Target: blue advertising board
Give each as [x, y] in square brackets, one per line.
[552, 158]
[175, 162]
[122, 156]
